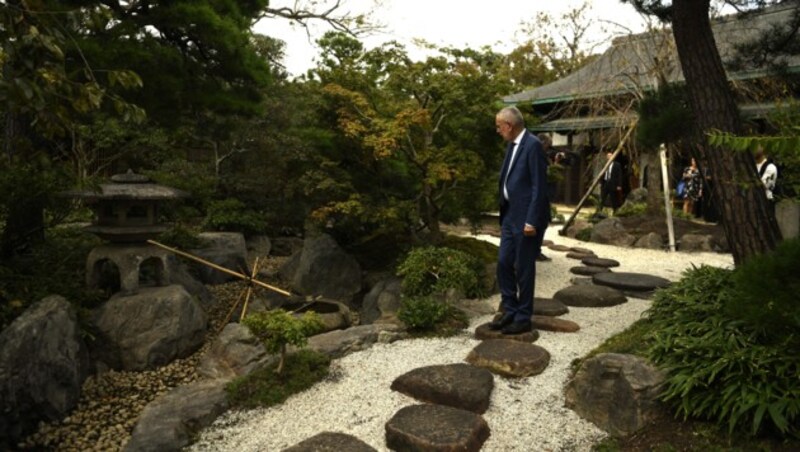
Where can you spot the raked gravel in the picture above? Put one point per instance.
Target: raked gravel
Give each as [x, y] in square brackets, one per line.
[525, 414]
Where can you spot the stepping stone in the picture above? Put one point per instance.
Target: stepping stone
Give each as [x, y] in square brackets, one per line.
[579, 256]
[436, 428]
[599, 262]
[483, 333]
[547, 242]
[578, 249]
[549, 307]
[588, 271]
[580, 281]
[456, 385]
[590, 296]
[553, 324]
[510, 358]
[331, 442]
[631, 281]
[555, 247]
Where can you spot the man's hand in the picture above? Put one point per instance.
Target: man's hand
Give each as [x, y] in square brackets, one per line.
[529, 231]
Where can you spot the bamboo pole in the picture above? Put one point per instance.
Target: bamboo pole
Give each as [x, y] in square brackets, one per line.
[602, 173]
[249, 291]
[230, 313]
[219, 268]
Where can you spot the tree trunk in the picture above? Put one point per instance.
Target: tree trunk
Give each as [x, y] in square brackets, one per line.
[746, 216]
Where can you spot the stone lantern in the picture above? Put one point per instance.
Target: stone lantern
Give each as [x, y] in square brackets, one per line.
[126, 214]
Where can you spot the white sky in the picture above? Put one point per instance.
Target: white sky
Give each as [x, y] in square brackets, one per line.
[457, 23]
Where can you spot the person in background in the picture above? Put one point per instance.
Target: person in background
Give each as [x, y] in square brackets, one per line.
[611, 185]
[524, 216]
[694, 187]
[768, 173]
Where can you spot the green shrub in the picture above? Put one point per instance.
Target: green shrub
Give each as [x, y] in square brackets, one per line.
[718, 367]
[57, 266]
[422, 313]
[584, 234]
[630, 209]
[765, 292]
[267, 387]
[181, 237]
[278, 328]
[232, 215]
[431, 270]
[484, 251]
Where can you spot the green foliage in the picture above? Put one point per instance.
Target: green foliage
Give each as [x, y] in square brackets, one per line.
[718, 366]
[278, 328]
[765, 292]
[484, 251]
[266, 387]
[57, 266]
[194, 178]
[630, 209]
[584, 234]
[181, 237]
[432, 270]
[232, 215]
[422, 313]
[664, 116]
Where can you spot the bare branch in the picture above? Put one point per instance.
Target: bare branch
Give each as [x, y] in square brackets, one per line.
[333, 15]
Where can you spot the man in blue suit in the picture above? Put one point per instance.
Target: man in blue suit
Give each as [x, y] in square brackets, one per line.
[524, 216]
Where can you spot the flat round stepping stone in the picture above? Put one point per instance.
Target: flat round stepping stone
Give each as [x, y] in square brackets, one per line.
[578, 249]
[585, 270]
[549, 307]
[331, 442]
[580, 280]
[484, 333]
[599, 262]
[631, 281]
[436, 428]
[546, 242]
[541, 322]
[590, 296]
[457, 385]
[579, 256]
[556, 247]
[510, 358]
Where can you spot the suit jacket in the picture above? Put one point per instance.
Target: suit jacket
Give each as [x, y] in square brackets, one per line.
[615, 180]
[526, 184]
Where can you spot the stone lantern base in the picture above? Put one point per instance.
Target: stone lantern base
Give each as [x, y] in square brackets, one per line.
[128, 259]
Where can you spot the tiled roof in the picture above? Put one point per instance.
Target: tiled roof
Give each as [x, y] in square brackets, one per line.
[632, 62]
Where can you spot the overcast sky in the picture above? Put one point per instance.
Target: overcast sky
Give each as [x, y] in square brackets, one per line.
[457, 23]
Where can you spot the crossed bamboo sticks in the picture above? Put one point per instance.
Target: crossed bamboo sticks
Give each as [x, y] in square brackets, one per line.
[249, 279]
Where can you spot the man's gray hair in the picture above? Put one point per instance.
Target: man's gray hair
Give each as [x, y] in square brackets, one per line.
[513, 116]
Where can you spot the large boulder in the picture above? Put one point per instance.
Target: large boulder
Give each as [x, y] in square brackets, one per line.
[618, 393]
[149, 329]
[651, 240]
[697, 242]
[181, 273]
[43, 363]
[341, 342]
[225, 249]
[170, 422]
[324, 269]
[382, 300]
[611, 231]
[235, 352]
[637, 195]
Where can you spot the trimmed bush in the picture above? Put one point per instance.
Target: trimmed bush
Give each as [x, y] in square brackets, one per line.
[232, 215]
[719, 367]
[422, 313]
[431, 270]
[630, 209]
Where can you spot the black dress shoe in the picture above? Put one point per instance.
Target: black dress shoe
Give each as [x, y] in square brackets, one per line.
[502, 322]
[518, 327]
[542, 258]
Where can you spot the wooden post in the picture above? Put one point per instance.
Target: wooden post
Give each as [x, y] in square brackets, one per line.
[602, 173]
[667, 204]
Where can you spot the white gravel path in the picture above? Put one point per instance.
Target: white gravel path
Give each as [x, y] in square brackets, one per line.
[525, 414]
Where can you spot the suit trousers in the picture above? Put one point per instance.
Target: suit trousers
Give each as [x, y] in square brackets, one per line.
[516, 269]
